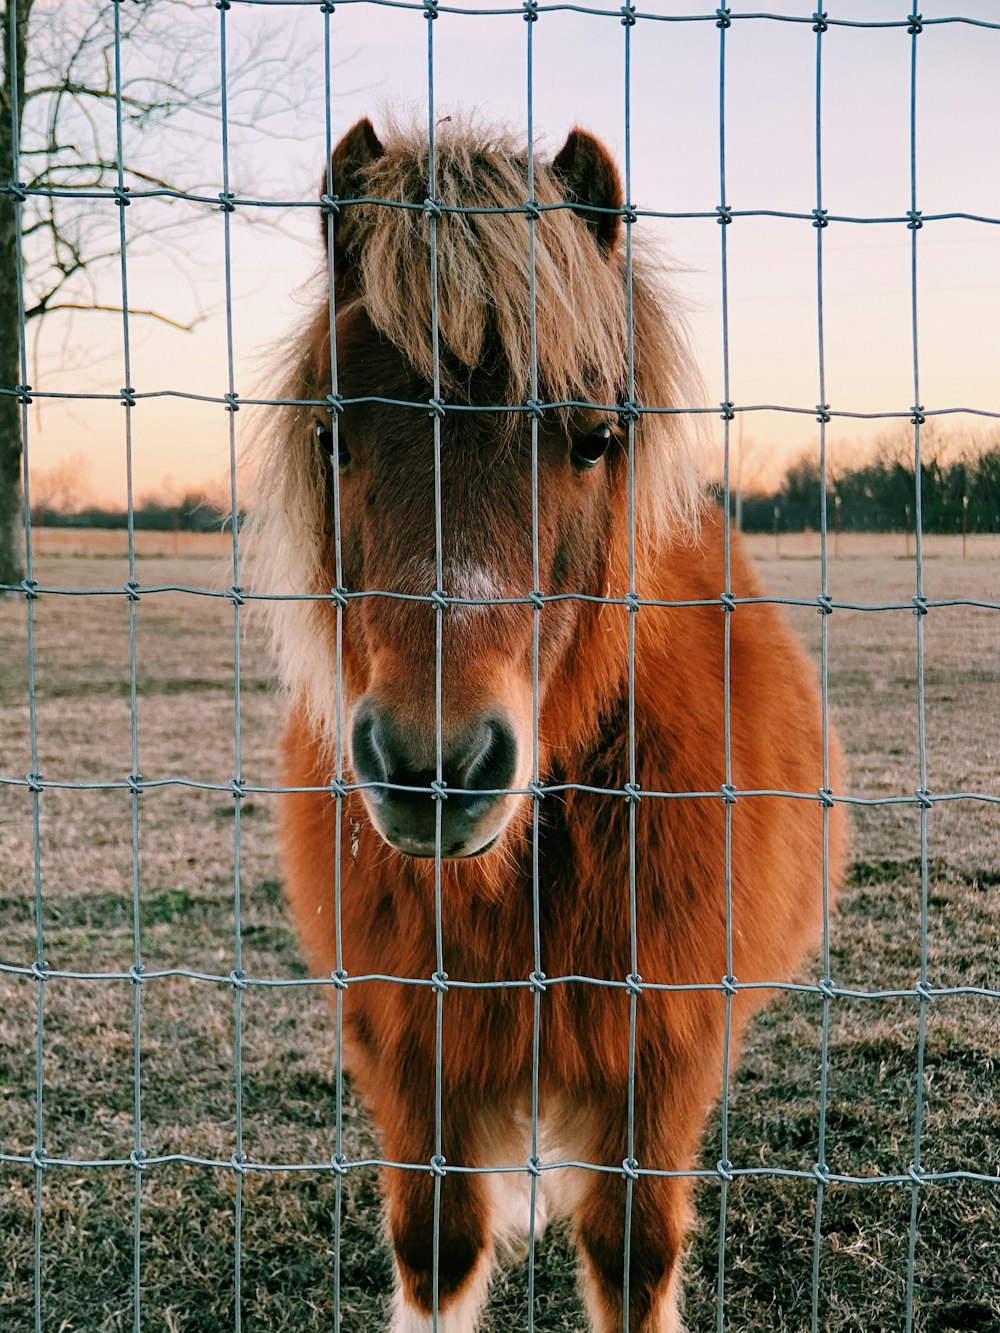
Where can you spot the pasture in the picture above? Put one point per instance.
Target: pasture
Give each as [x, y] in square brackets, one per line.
[185, 851]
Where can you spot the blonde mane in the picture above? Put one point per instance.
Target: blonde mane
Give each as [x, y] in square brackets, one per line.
[486, 302]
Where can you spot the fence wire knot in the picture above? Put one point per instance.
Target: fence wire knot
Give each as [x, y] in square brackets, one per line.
[330, 205]
[227, 201]
[39, 971]
[725, 215]
[121, 195]
[37, 1158]
[436, 408]
[916, 219]
[820, 218]
[338, 788]
[327, 7]
[534, 1166]
[916, 1174]
[920, 607]
[826, 800]
[430, 9]
[724, 1170]
[131, 590]
[17, 190]
[915, 24]
[727, 413]
[723, 18]
[924, 798]
[728, 601]
[632, 792]
[238, 787]
[729, 985]
[628, 411]
[34, 781]
[728, 793]
[22, 392]
[136, 974]
[536, 791]
[339, 1163]
[238, 979]
[339, 597]
[438, 791]
[440, 600]
[530, 8]
[533, 409]
[536, 982]
[439, 982]
[924, 991]
[127, 396]
[339, 979]
[822, 1173]
[438, 1166]
[823, 413]
[630, 1168]
[631, 602]
[29, 589]
[531, 210]
[238, 1162]
[134, 783]
[335, 403]
[826, 988]
[628, 16]
[431, 206]
[629, 214]
[137, 1159]
[824, 604]
[820, 23]
[633, 984]
[232, 402]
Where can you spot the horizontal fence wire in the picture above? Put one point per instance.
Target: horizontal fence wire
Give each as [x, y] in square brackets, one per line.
[915, 1177]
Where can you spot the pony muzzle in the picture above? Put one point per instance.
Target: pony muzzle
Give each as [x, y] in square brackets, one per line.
[461, 814]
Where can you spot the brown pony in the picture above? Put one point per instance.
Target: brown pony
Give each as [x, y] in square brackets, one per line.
[379, 465]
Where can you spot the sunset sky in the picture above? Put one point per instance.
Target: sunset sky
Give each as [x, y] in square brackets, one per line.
[380, 59]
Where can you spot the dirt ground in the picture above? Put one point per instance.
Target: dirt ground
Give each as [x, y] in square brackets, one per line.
[181, 851]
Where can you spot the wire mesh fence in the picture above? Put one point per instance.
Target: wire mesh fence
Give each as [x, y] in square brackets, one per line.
[913, 1176]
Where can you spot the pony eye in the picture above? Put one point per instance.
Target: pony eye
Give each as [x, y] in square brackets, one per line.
[588, 450]
[324, 439]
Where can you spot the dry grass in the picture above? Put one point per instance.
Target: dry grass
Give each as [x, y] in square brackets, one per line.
[185, 859]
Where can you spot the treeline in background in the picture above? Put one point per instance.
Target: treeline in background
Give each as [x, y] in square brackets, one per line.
[959, 491]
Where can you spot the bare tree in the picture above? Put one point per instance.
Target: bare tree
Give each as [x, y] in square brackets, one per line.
[96, 99]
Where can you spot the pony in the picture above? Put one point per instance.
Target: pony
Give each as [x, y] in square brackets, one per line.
[495, 822]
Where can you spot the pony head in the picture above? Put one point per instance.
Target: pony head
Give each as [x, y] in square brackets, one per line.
[468, 487]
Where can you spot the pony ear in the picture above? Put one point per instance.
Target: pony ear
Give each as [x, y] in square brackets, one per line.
[357, 150]
[589, 176]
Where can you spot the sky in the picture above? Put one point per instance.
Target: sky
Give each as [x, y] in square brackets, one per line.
[379, 61]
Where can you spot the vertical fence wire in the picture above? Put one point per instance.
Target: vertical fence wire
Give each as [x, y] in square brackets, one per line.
[441, 978]
[339, 1157]
[132, 595]
[530, 17]
[236, 597]
[728, 982]
[920, 607]
[819, 223]
[630, 1165]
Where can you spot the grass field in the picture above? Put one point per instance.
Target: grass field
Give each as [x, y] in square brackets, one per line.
[186, 919]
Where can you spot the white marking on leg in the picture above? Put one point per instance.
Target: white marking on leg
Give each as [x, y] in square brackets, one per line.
[459, 1315]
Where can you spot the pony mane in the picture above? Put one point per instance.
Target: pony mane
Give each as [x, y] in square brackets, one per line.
[485, 300]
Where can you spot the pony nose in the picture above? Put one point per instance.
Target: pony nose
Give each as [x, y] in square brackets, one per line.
[477, 765]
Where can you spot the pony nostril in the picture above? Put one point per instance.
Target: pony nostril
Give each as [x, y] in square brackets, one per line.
[493, 758]
[369, 748]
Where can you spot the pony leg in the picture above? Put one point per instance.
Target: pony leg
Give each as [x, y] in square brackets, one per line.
[658, 1225]
[465, 1249]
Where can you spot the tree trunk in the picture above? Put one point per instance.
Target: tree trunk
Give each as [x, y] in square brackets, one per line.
[11, 543]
